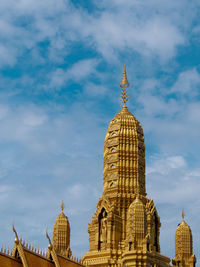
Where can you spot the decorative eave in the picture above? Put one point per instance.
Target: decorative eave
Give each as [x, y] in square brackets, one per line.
[52, 252]
[18, 247]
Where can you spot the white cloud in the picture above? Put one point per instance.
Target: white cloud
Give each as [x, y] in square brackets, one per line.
[32, 119]
[3, 111]
[187, 83]
[77, 72]
[153, 37]
[93, 90]
[153, 29]
[164, 166]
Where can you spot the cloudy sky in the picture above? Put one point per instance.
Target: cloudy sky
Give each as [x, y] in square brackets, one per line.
[61, 64]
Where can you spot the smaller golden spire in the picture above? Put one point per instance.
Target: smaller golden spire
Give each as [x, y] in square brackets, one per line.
[62, 206]
[183, 214]
[124, 84]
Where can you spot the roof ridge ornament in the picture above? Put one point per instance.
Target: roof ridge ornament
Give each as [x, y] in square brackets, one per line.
[52, 251]
[18, 246]
[124, 84]
[47, 236]
[16, 235]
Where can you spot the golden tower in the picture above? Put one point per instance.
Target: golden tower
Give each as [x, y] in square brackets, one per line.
[61, 234]
[184, 256]
[125, 227]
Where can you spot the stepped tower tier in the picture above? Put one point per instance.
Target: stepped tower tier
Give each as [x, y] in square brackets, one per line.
[124, 157]
[184, 256]
[61, 234]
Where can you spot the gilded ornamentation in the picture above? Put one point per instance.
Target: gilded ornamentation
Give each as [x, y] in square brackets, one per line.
[184, 256]
[124, 84]
[112, 159]
[52, 251]
[125, 227]
[103, 230]
[136, 224]
[18, 249]
[61, 234]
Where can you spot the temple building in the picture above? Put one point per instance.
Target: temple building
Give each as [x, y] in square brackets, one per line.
[125, 229]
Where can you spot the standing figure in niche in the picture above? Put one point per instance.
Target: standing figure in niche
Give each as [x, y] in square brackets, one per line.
[103, 231]
[155, 238]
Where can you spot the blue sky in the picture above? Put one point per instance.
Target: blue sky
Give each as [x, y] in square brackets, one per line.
[61, 64]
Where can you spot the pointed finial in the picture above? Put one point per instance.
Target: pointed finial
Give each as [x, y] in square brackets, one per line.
[124, 84]
[47, 236]
[62, 206]
[16, 236]
[183, 214]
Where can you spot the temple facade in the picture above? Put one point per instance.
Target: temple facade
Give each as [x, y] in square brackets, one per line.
[125, 229]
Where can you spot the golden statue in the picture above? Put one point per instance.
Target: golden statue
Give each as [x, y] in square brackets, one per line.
[103, 231]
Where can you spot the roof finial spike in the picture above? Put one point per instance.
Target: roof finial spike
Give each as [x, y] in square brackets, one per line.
[183, 214]
[62, 206]
[16, 235]
[124, 84]
[50, 244]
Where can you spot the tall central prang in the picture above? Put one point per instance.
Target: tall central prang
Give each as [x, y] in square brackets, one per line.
[125, 227]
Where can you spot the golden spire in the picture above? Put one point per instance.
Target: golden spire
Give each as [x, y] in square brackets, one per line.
[62, 206]
[61, 234]
[124, 84]
[183, 214]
